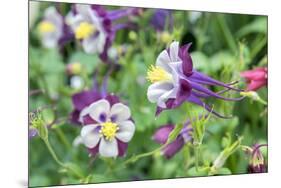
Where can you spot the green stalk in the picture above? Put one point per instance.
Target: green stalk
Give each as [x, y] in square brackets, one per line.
[55, 157]
[197, 157]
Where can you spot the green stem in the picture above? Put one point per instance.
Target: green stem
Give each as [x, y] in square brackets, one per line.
[55, 157]
[135, 158]
[63, 138]
[54, 154]
[197, 157]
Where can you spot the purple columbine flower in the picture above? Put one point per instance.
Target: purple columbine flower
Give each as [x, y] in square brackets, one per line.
[94, 27]
[257, 163]
[162, 134]
[161, 18]
[174, 81]
[108, 128]
[51, 28]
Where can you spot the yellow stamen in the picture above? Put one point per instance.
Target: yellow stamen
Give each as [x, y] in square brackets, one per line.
[108, 130]
[46, 27]
[156, 74]
[84, 30]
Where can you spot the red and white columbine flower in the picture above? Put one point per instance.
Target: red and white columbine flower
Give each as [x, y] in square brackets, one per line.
[107, 129]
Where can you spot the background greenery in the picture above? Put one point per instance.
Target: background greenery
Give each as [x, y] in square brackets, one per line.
[223, 45]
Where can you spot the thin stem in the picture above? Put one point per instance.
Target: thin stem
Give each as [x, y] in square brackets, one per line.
[135, 158]
[54, 155]
[63, 138]
[197, 157]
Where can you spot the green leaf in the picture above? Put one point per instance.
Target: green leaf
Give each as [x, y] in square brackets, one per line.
[257, 26]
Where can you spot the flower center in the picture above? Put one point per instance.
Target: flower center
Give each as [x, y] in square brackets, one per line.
[156, 74]
[46, 27]
[84, 30]
[108, 130]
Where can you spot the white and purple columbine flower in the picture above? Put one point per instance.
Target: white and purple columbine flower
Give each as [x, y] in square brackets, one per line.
[174, 81]
[108, 129]
[162, 134]
[94, 27]
[51, 28]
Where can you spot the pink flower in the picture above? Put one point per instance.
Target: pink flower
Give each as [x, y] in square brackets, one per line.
[256, 78]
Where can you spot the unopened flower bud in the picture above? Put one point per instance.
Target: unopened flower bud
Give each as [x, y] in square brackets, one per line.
[165, 37]
[74, 68]
[37, 123]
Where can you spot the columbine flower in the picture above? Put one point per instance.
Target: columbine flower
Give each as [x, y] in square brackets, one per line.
[51, 28]
[257, 163]
[174, 81]
[256, 78]
[93, 26]
[162, 134]
[82, 100]
[108, 129]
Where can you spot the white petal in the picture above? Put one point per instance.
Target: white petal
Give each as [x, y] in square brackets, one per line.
[163, 60]
[108, 148]
[84, 112]
[120, 111]
[126, 131]
[167, 95]
[157, 89]
[85, 11]
[174, 51]
[89, 136]
[90, 45]
[98, 108]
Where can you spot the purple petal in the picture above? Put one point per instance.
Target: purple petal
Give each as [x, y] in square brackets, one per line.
[161, 135]
[93, 151]
[183, 93]
[197, 76]
[196, 100]
[122, 148]
[112, 99]
[84, 99]
[202, 89]
[187, 65]
[74, 117]
[87, 120]
[117, 14]
[159, 19]
[170, 150]
[99, 10]
[32, 132]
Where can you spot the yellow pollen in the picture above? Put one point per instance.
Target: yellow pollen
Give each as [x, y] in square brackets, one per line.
[84, 30]
[156, 74]
[46, 27]
[108, 130]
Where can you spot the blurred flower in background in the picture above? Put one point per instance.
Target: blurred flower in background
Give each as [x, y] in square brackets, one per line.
[93, 26]
[256, 78]
[161, 19]
[51, 28]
